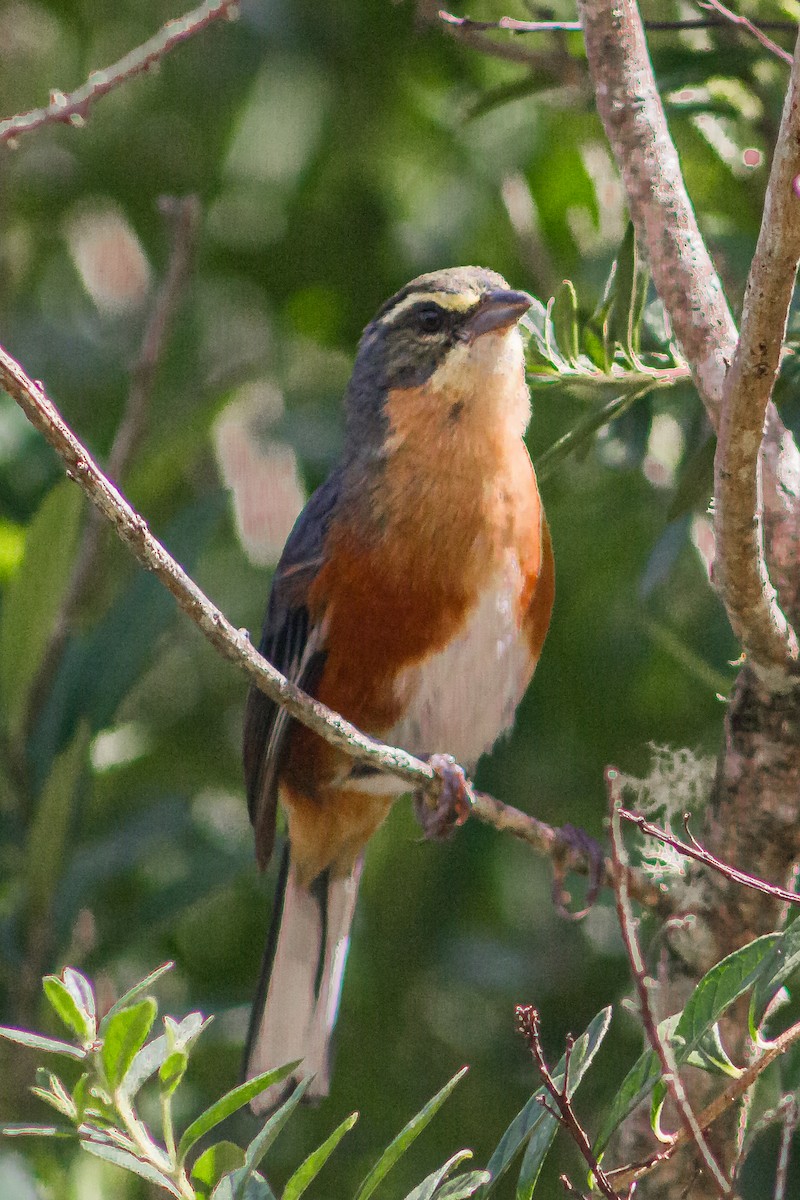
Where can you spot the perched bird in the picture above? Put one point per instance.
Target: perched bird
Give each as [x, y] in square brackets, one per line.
[413, 596]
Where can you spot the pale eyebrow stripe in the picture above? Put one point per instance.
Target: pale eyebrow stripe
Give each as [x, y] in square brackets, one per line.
[458, 302]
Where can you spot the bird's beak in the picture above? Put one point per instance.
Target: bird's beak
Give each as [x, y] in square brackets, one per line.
[499, 309]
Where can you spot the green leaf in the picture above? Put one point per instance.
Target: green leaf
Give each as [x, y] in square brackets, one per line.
[230, 1103]
[311, 1166]
[72, 1004]
[129, 1162]
[45, 1044]
[624, 293]
[125, 1035]
[255, 1188]
[212, 1164]
[715, 992]
[543, 1132]
[172, 1071]
[533, 1115]
[461, 1187]
[410, 1132]
[18, 1129]
[261, 1143]
[427, 1189]
[138, 989]
[782, 963]
[153, 1056]
[55, 1094]
[33, 598]
[564, 315]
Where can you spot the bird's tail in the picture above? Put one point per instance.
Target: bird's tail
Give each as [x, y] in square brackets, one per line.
[295, 1008]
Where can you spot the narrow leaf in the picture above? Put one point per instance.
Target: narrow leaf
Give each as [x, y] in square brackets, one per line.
[230, 1103]
[461, 1187]
[398, 1146]
[129, 1162]
[261, 1143]
[782, 963]
[36, 1042]
[255, 1188]
[20, 1130]
[624, 292]
[564, 315]
[133, 993]
[311, 1166]
[125, 1035]
[62, 1000]
[172, 1071]
[427, 1189]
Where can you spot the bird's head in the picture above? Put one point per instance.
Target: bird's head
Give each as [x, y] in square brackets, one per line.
[448, 337]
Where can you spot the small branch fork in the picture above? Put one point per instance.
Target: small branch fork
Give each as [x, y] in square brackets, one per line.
[697, 852]
[234, 644]
[73, 109]
[662, 1049]
[528, 1025]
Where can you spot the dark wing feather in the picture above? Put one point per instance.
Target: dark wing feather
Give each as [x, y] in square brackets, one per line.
[293, 644]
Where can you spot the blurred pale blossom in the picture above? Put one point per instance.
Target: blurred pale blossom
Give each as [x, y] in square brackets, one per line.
[108, 257]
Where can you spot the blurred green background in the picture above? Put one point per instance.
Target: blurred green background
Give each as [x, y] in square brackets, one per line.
[337, 151]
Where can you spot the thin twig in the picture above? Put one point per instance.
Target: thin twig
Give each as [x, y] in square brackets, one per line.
[687, 23]
[697, 852]
[73, 109]
[751, 28]
[183, 216]
[740, 570]
[662, 1049]
[528, 1024]
[235, 646]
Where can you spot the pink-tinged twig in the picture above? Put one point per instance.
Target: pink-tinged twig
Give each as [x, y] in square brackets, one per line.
[512, 25]
[750, 27]
[662, 1049]
[529, 1025]
[74, 107]
[697, 852]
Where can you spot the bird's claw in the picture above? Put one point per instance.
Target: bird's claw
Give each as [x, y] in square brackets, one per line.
[441, 817]
[575, 844]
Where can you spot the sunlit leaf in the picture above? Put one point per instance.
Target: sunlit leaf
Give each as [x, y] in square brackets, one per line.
[129, 1162]
[45, 1044]
[410, 1132]
[428, 1188]
[231, 1102]
[311, 1166]
[125, 1035]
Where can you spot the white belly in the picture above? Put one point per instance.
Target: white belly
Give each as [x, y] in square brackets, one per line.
[461, 700]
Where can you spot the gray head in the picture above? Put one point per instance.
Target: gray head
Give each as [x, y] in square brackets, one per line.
[413, 332]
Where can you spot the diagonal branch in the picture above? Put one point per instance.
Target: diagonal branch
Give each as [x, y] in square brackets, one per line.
[234, 644]
[740, 570]
[73, 109]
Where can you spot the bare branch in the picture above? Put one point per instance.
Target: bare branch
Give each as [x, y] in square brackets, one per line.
[528, 1024]
[184, 216]
[721, 21]
[633, 116]
[697, 852]
[234, 644]
[661, 1047]
[750, 27]
[73, 109]
[740, 570]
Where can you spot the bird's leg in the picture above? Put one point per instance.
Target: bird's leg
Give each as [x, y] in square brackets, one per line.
[441, 817]
[575, 846]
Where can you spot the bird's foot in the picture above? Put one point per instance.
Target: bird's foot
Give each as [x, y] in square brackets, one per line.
[575, 846]
[441, 817]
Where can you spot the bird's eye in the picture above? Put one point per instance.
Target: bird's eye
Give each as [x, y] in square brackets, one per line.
[429, 319]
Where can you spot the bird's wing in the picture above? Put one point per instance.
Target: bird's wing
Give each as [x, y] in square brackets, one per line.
[294, 644]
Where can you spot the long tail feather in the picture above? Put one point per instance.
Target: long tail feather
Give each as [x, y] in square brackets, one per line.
[301, 981]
